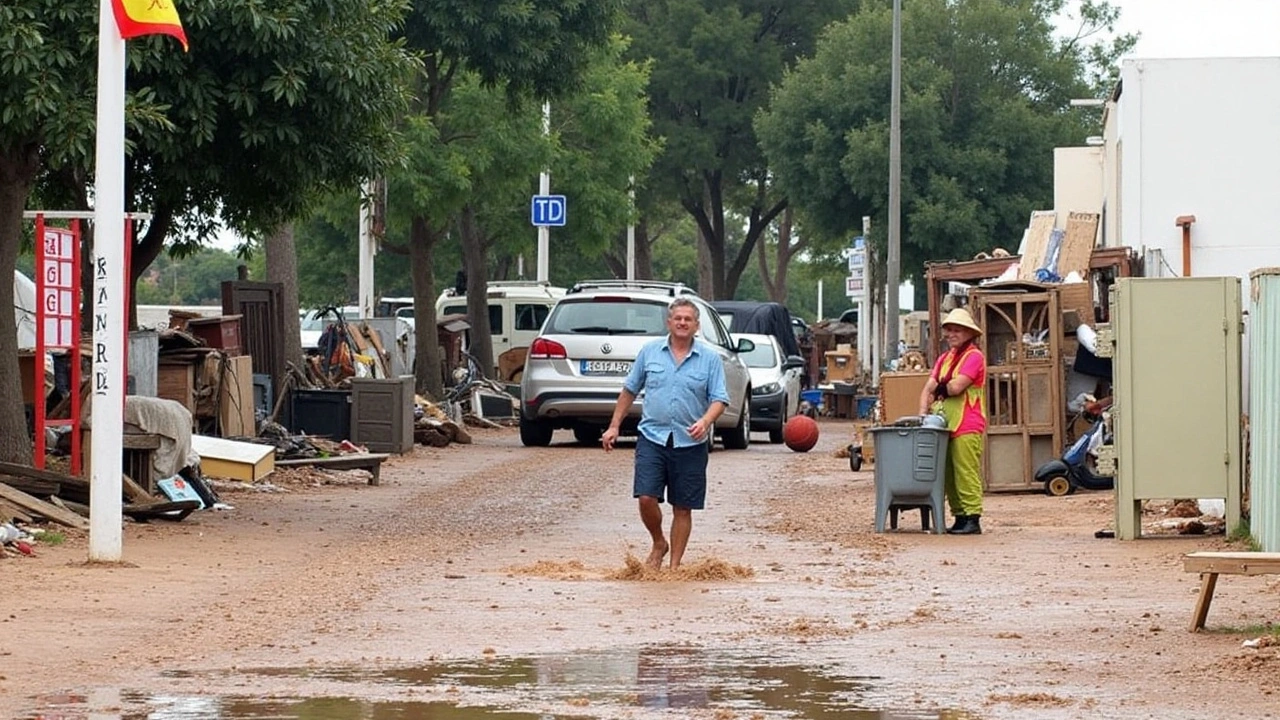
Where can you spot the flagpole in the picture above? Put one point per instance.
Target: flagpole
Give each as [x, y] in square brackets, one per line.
[105, 516]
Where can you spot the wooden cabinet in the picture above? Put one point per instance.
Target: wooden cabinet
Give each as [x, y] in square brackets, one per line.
[1022, 343]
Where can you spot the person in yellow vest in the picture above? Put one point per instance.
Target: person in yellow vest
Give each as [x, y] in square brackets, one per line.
[956, 391]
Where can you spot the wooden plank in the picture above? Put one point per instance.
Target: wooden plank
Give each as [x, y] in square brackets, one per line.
[359, 461]
[133, 492]
[1232, 563]
[1207, 583]
[1077, 244]
[39, 507]
[9, 513]
[1039, 231]
[78, 508]
[167, 510]
[31, 486]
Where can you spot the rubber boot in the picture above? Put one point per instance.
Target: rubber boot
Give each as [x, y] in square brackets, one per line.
[960, 520]
[970, 526]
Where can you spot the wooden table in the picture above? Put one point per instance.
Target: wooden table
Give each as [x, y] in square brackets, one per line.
[1212, 564]
[358, 461]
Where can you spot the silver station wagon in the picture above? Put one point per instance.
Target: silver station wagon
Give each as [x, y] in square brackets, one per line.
[576, 366]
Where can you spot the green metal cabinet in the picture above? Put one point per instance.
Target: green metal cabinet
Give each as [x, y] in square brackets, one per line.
[1176, 363]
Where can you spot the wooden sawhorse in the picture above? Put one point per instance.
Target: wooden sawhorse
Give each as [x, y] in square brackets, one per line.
[1212, 564]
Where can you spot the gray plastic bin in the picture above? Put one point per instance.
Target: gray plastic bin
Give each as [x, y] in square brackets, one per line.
[910, 473]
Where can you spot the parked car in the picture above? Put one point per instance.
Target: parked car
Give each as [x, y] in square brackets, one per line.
[315, 321]
[576, 366]
[775, 384]
[517, 310]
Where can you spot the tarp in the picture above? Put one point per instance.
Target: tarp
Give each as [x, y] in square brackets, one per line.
[765, 318]
[24, 309]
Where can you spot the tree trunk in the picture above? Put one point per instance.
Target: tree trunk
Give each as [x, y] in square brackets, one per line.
[428, 376]
[775, 282]
[617, 259]
[475, 263]
[282, 267]
[146, 249]
[18, 168]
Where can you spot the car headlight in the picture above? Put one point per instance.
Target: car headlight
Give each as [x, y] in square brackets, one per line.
[766, 389]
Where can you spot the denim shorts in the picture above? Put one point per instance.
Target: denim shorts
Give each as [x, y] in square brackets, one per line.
[680, 471]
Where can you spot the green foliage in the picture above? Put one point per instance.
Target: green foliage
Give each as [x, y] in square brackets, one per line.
[986, 85]
[273, 103]
[713, 63]
[52, 538]
[527, 49]
[192, 280]
[1242, 534]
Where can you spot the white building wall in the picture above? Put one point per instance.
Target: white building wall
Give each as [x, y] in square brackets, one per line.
[1077, 181]
[1201, 137]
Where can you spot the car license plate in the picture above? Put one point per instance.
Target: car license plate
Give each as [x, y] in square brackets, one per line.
[606, 367]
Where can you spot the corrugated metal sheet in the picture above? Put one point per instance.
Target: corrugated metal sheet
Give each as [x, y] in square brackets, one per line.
[1264, 404]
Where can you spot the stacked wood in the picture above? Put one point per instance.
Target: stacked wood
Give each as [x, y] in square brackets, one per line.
[28, 494]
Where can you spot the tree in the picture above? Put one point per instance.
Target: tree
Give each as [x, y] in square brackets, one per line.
[272, 103]
[530, 53]
[713, 64]
[986, 85]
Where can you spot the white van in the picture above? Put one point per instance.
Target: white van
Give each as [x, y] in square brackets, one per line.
[517, 310]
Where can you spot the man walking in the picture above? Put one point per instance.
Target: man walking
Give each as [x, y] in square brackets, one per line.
[683, 382]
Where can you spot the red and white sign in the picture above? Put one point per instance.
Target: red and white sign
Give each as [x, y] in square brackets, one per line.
[57, 288]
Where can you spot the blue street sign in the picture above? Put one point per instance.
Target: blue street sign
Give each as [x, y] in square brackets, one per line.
[548, 210]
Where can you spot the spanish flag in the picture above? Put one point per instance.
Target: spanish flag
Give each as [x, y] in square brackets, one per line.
[148, 17]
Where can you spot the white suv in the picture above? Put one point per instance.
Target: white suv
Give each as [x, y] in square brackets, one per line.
[576, 366]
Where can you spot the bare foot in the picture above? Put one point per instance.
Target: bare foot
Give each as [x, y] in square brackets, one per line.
[655, 556]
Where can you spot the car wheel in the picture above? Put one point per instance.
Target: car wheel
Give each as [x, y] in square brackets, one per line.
[775, 436]
[535, 433]
[587, 434]
[739, 436]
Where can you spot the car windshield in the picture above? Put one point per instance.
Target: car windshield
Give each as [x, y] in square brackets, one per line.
[608, 318]
[763, 356]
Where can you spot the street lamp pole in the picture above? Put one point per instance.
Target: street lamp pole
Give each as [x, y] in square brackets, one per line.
[893, 263]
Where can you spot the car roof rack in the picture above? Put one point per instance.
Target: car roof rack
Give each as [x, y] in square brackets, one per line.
[668, 288]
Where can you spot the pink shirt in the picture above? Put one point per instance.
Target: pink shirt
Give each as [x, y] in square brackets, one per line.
[965, 413]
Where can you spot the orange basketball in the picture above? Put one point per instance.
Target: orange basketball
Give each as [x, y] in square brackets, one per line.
[800, 433]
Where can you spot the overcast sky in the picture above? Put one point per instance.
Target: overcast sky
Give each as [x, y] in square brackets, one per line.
[1202, 28]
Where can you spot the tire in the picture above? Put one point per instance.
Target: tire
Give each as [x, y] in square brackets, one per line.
[775, 436]
[855, 460]
[739, 436]
[587, 434]
[535, 433]
[1059, 485]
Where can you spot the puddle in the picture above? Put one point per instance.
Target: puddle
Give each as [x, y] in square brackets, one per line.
[625, 683]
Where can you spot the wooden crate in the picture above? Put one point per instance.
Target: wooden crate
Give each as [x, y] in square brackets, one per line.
[177, 381]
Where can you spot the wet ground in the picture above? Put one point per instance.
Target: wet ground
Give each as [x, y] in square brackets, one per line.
[496, 581]
[633, 683]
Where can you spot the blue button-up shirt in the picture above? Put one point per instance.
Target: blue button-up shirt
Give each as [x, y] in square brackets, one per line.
[675, 396]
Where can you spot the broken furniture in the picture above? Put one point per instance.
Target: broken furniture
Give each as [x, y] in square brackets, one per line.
[1212, 564]
[356, 461]
[1022, 342]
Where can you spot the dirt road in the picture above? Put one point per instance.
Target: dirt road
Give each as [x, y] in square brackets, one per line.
[515, 559]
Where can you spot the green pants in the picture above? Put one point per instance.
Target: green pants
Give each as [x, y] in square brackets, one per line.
[964, 474]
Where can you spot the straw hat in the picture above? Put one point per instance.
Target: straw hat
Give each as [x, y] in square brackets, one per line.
[962, 318]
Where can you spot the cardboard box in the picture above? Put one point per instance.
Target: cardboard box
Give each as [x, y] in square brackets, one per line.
[900, 394]
[842, 366]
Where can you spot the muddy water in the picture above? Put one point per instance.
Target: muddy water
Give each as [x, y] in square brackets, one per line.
[666, 681]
